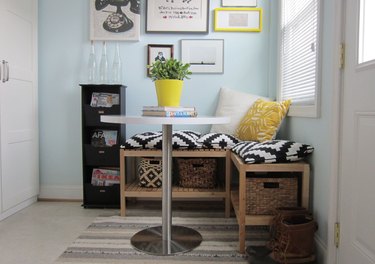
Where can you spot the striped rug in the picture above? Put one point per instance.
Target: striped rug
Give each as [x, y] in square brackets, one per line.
[107, 240]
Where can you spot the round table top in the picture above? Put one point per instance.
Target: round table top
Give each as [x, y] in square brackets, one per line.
[151, 120]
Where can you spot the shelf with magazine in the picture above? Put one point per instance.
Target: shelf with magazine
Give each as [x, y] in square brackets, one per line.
[101, 143]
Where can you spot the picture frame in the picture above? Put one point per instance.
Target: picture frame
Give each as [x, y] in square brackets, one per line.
[118, 21]
[239, 3]
[203, 55]
[238, 19]
[183, 16]
[158, 52]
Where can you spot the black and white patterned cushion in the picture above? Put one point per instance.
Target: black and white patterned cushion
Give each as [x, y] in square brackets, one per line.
[182, 139]
[272, 151]
[218, 141]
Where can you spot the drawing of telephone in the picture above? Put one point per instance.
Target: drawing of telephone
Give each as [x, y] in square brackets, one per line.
[118, 21]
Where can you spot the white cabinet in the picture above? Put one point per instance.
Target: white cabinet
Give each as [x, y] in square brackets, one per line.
[19, 174]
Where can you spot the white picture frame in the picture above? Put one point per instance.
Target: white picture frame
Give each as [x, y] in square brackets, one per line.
[107, 22]
[203, 55]
[177, 16]
[240, 3]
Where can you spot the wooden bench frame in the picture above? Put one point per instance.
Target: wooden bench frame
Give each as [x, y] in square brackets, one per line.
[133, 190]
[238, 197]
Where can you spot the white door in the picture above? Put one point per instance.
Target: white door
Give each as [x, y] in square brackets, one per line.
[18, 102]
[357, 169]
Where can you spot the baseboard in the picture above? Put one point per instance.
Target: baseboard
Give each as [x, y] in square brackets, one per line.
[321, 250]
[61, 192]
[17, 208]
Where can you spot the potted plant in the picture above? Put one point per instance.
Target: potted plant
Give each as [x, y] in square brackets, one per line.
[168, 76]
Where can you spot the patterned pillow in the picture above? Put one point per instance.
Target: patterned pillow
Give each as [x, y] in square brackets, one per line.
[218, 141]
[262, 120]
[272, 151]
[153, 140]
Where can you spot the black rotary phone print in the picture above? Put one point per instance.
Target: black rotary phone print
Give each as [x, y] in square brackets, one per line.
[118, 21]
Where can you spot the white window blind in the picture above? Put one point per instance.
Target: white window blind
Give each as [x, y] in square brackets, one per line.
[299, 52]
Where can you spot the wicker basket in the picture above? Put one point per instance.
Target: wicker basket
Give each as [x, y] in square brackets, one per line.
[197, 173]
[265, 194]
[150, 172]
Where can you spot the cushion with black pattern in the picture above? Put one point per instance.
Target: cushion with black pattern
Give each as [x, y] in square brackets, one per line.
[272, 151]
[181, 139]
[218, 141]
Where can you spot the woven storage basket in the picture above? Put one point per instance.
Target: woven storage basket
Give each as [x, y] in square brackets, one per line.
[150, 172]
[197, 173]
[264, 195]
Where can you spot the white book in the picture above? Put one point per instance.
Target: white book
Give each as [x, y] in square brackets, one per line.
[169, 108]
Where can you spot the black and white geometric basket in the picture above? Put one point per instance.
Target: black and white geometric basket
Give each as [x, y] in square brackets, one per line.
[150, 172]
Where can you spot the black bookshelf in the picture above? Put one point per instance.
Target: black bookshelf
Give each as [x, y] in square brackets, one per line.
[100, 157]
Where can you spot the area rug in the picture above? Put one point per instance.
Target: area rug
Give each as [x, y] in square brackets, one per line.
[107, 240]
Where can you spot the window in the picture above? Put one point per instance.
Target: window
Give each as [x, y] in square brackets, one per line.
[299, 56]
[366, 31]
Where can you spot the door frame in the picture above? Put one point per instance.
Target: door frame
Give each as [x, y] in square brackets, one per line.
[336, 135]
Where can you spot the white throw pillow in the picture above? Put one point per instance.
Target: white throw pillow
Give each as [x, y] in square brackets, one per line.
[235, 105]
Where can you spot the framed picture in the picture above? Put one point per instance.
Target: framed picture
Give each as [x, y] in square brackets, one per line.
[158, 52]
[115, 20]
[204, 55]
[177, 16]
[239, 2]
[238, 19]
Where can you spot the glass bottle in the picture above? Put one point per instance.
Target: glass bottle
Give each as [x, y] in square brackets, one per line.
[117, 67]
[92, 65]
[103, 67]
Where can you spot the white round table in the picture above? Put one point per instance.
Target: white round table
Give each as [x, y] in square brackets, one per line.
[166, 239]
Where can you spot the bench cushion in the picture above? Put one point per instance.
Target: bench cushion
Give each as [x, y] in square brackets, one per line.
[218, 141]
[272, 151]
[182, 139]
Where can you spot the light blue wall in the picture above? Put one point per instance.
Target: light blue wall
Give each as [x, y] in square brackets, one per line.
[63, 54]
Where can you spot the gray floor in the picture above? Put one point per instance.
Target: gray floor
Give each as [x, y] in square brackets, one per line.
[41, 232]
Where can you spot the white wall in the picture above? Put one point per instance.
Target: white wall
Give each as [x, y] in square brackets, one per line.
[63, 53]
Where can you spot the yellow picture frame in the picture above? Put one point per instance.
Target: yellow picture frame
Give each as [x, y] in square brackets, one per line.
[238, 19]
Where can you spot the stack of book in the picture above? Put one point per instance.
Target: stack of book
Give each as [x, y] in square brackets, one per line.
[169, 111]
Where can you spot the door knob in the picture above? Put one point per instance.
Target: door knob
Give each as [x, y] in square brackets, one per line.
[5, 71]
[7, 68]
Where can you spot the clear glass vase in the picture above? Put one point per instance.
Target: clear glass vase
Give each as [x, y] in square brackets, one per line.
[117, 67]
[92, 71]
[103, 67]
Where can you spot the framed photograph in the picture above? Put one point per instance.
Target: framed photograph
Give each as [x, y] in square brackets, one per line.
[238, 19]
[177, 16]
[239, 3]
[115, 20]
[158, 52]
[204, 55]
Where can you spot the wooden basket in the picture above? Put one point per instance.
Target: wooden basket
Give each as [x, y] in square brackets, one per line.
[150, 172]
[265, 194]
[197, 173]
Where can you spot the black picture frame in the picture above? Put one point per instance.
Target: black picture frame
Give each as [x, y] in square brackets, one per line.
[183, 16]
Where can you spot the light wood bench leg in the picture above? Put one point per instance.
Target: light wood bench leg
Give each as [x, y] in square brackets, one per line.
[228, 169]
[242, 209]
[122, 183]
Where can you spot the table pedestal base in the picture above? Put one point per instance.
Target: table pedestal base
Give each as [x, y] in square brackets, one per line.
[150, 240]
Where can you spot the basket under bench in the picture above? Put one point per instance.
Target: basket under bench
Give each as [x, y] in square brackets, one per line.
[238, 196]
[133, 190]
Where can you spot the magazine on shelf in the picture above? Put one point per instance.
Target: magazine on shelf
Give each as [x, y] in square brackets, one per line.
[103, 138]
[170, 113]
[169, 108]
[105, 177]
[104, 99]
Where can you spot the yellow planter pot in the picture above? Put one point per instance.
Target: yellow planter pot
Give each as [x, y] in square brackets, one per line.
[169, 92]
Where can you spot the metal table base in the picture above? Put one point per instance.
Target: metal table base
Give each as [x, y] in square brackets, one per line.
[151, 241]
[166, 239]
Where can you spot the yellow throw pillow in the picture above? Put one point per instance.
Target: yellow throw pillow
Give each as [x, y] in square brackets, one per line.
[262, 120]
